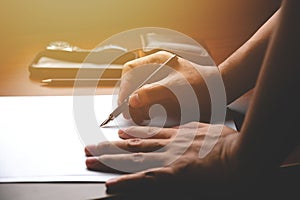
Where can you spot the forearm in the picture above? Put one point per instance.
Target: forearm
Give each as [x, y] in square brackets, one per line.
[271, 130]
[240, 70]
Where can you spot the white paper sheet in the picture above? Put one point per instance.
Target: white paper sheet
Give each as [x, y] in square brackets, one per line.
[42, 138]
[40, 142]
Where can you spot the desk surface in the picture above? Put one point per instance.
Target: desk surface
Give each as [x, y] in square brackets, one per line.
[14, 81]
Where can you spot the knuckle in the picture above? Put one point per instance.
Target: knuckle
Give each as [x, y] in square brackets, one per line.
[127, 67]
[129, 64]
[134, 143]
[137, 157]
[126, 73]
[152, 131]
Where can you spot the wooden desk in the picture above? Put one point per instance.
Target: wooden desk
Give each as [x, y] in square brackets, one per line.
[14, 81]
[16, 56]
[14, 75]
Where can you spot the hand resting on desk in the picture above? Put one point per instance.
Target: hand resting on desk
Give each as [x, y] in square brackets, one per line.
[168, 159]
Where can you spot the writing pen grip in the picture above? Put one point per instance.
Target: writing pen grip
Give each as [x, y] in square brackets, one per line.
[124, 105]
[121, 108]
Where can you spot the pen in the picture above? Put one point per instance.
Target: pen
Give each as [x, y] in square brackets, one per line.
[79, 82]
[117, 111]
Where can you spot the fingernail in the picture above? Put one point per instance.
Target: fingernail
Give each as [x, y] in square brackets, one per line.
[111, 182]
[89, 150]
[135, 100]
[90, 161]
[121, 133]
[86, 151]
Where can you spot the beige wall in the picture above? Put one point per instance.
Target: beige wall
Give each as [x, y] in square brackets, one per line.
[105, 17]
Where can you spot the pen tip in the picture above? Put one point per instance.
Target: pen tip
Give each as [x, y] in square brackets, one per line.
[105, 122]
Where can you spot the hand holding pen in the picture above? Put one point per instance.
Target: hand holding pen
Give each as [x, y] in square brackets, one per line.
[122, 107]
[183, 75]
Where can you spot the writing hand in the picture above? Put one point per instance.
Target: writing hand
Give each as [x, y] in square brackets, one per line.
[184, 75]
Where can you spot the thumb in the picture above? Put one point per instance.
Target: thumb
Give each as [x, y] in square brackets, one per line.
[149, 94]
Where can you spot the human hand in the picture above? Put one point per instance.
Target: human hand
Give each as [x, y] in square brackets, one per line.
[184, 76]
[168, 158]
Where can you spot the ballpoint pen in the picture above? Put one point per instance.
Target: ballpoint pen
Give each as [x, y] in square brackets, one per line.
[117, 111]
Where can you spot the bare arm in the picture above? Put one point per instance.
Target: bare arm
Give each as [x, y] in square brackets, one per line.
[270, 131]
[240, 70]
[239, 73]
[269, 134]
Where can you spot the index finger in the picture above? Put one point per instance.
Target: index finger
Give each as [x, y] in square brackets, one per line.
[130, 81]
[155, 58]
[148, 132]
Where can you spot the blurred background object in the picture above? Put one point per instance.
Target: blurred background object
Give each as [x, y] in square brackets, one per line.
[28, 26]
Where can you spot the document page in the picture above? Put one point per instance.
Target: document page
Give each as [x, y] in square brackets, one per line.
[40, 141]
